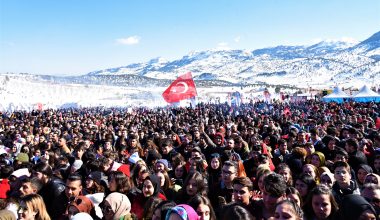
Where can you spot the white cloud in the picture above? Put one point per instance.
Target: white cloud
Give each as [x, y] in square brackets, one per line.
[129, 40]
[237, 39]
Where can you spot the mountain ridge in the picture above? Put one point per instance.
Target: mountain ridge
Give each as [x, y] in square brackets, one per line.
[325, 61]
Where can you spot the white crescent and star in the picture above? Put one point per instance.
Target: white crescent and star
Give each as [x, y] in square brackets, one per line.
[182, 84]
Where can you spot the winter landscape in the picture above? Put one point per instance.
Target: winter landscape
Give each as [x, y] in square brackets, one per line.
[285, 67]
[291, 68]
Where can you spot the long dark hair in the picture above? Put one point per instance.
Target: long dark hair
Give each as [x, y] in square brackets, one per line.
[200, 167]
[200, 199]
[235, 211]
[136, 171]
[150, 206]
[96, 188]
[123, 184]
[320, 190]
[201, 184]
[309, 181]
[168, 182]
[296, 209]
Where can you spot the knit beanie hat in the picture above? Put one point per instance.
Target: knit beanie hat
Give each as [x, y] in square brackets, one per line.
[164, 162]
[365, 167]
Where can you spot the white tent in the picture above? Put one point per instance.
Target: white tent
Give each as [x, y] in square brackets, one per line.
[337, 96]
[365, 94]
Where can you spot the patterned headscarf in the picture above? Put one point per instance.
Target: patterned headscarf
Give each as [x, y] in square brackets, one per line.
[186, 212]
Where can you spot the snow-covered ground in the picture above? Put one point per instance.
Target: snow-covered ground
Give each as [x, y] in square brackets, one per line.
[23, 93]
[28, 92]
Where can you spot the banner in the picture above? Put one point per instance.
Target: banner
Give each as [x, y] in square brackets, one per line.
[182, 88]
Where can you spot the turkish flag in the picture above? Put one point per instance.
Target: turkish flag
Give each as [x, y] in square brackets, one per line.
[287, 111]
[39, 106]
[182, 88]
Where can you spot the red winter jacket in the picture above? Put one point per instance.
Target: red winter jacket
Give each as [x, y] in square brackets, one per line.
[138, 204]
[4, 188]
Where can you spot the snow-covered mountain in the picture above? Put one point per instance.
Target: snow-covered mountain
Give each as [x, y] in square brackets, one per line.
[325, 63]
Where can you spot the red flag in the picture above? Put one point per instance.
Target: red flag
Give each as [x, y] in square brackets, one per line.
[287, 111]
[39, 106]
[182, 88]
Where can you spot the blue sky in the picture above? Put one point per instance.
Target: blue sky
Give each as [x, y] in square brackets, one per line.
[72, 37]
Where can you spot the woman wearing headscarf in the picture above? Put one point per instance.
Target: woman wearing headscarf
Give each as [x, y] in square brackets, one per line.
[116, 206]
[328, 179]
[372, 178]
[182, 212]
[361, 173]
[318, 159]
[151, 188]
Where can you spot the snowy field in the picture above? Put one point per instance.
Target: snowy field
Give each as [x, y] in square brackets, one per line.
[16, 94]
[24, 93]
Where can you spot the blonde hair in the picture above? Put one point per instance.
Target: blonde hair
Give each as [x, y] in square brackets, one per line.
[36, 203]
[262, 168]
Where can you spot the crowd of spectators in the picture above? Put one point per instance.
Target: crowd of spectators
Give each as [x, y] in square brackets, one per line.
[304, 160]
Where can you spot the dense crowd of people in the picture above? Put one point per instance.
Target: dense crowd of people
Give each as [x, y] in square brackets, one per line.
[305, 160]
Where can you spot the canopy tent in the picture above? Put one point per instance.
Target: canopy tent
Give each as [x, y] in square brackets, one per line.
[365, 94]
[337, 96]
